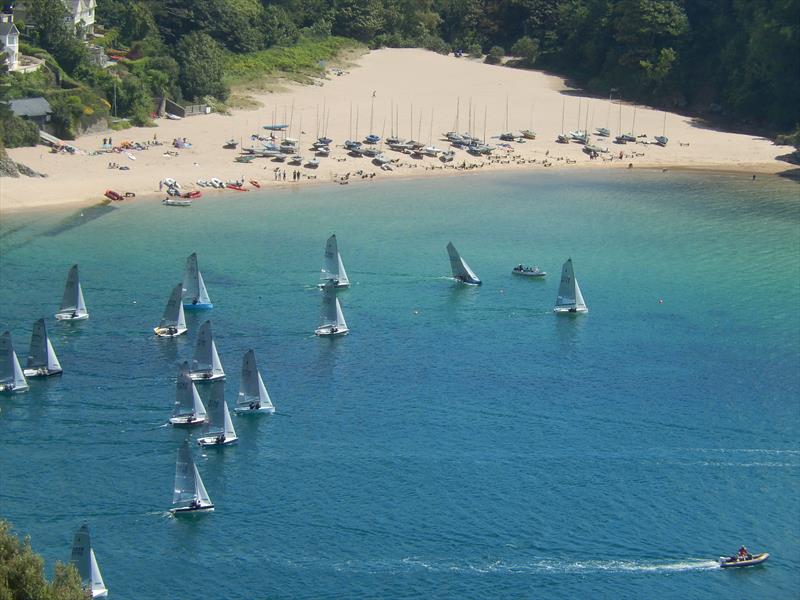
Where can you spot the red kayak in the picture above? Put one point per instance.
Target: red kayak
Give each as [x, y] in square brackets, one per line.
[255, 183]
[238, 188]
[112, 195]
[193, 194]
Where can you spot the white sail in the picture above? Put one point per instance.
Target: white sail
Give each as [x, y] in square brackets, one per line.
[200, 489]
[206, 363]
[252, 392]
[218, 420]
[460, 268]
[194, 288]
[189, 486]
[569, 297]
[333, 267]
[187, 399]
[85, 562]
[42, 358]
[173, 312]
[340, 322]
[72, 302]
[12, 379]
[328, 311]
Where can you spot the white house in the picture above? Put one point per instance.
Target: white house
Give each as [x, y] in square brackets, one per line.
[81, 13]
[9, 38]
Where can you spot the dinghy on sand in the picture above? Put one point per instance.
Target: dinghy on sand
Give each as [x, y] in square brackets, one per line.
[42, 360]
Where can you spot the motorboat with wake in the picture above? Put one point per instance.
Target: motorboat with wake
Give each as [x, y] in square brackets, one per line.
[533, 271]
[742, 559]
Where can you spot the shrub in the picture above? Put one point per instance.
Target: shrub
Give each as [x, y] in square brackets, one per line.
[495, 56]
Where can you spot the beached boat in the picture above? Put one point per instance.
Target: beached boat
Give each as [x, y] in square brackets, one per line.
[447, 156]
[372, 139]
[528, 134]
[602, 132]
[230, 144]
[195, 294]
[12, 379]
[245, 158]
[528, 271]
[188, 409]
[218, 429]
[253, 397]
[312, 163]
[460, 268]
[569, 299]
[206, 365]
[173, 322]
[750, 560]
[217, 183]
[662, 139]
[85, 561]
[189, 495]
[333, 267]
[192, 194]
[112, 195]
[42, 360]
[172, 117]
[381, 159]
[176, 202]
[236, 187]
[323, 151]
[73, 306]
[255, 183]
[332, 321]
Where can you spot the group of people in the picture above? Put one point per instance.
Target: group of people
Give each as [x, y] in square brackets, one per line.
[281, 175]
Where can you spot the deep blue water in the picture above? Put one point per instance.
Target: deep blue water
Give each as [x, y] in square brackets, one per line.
[460, 442]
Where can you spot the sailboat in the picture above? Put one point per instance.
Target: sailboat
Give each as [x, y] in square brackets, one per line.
[12, 379]
[332, 321]
[569, 299]
[85, 562]
[333, 269]
[42, 360]
[460, 268]
[206, 365]
[561, 138]
[662, 139]
[173, 323]
[189, 409]
[218, 429]
[195, 294]
[190, 495]
[253, 396]
[73, 307]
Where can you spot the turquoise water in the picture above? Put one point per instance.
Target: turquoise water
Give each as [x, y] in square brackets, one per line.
[461, 442]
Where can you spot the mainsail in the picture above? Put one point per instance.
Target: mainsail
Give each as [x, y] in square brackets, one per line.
[328, 311]
[12, 378]
[187, 399]
[188, 484]
[206, 358]
[173, 312]
[83, 558]
[41, 354]
[252, 392]
[333, 268]
[72, 303]
[569, 297]
[194, 289]
[219, 419]
[459, 266]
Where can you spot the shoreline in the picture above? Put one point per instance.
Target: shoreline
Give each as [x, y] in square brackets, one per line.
[421, 93]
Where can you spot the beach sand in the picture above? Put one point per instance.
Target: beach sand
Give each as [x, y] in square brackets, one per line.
[434, 85]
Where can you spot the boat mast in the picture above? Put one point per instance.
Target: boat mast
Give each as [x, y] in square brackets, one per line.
[485, 113]
[664, 127]
[430, 139]
[371, 110]
[563, 108]
[633, 124]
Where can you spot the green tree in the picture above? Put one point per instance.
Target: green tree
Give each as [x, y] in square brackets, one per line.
[359, 19]
[53, 32]
[495, 55]
[527, 49]
[202, 66]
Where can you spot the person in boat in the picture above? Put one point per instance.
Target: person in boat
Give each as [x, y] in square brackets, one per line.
[520, 267]
[195, 503]
[744, 554]
[194, 301]
[334, 329]
[221, 438]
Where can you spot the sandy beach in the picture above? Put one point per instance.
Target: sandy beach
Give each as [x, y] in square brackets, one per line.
[428, 92]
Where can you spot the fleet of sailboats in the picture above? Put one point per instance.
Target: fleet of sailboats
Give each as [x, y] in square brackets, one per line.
[189, 495]
[333, 267]
[189, 409]
[195, 295]
[85, 561]
[42, 360]
[206, 365]
[460, 268]
[253, 397]
[73, 307]
[332, 321]
[12, 379]
[173, 323]
[569, 299]
[218, 429]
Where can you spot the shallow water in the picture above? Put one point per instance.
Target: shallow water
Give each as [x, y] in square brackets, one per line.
[460, 442]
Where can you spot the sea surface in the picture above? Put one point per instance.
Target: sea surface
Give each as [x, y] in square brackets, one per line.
[461, 442]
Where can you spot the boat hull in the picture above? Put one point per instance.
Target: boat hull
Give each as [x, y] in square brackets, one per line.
[570, 311]
[212, 441]
[726, 563]
[198, 306]
[186, 510]
[528, 273]
[337, 284]
[328, 331]
[11, 389]
[467, 281]
[183, 421]
[166, 333]
[206, 377]
[244, 410]
[69, 317]
[41, 372]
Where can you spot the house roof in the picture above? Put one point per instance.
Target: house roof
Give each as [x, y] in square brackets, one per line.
[30, 107]
[7, 28]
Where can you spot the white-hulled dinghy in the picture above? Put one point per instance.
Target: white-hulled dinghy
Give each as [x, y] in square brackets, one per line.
[189, 409]
[253, 397]
[12, 379]
[569, 299]
[218, 430]
[42, 360]
[206, 365]
[190, 495]
[333, 269]
[173, 323]
[73, 307]
[83, 558]
[332, 321]
[460, 268]
[195, 294]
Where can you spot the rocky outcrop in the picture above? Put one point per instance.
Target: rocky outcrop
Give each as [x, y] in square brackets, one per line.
[9, 168]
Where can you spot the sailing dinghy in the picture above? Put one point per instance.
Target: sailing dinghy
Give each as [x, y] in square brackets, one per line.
[569, 299]
[205, 364]
[173, 323]
[189, 409]
[73, 307]
[460, 268]
[253, 397]
[190, 495]
[42, 360]
[12, 379]
[218, 429]
[83, 558]
[332, 321]
[333, 269]
[195, 295]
